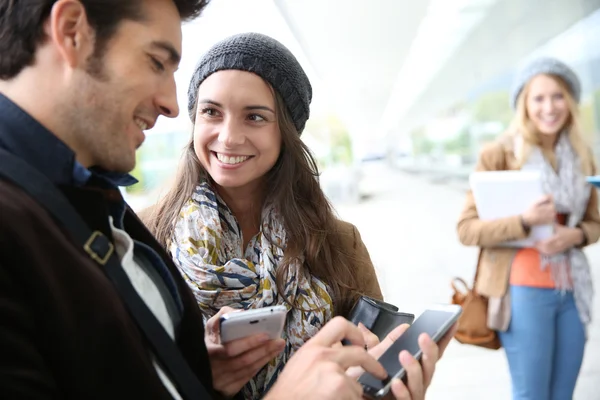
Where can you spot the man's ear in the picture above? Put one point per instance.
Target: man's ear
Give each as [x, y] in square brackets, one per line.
[69, 30]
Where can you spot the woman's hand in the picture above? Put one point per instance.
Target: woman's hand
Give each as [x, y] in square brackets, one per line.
[233, 364]
[541, 212]
[563, 239]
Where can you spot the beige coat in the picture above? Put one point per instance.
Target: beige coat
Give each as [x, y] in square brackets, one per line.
[495, 262]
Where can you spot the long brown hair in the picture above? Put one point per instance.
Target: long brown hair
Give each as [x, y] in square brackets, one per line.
[523, 125]
[293, 188]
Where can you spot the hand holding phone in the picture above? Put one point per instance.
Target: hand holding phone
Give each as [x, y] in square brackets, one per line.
[234, 363]
[241, 324]
[317, 369]
[435, 322]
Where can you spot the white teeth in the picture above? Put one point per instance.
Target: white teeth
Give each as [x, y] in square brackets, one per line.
[141, 124]
[231, 160]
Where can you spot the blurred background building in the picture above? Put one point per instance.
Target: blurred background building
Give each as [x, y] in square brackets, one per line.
[418, 85]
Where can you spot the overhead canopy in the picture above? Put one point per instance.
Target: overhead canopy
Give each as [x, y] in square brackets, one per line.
[389, 65]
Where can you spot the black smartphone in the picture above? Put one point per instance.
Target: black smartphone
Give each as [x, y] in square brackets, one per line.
[435, 321]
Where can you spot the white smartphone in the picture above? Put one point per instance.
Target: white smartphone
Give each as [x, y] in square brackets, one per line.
[241, 324]
[435, 321]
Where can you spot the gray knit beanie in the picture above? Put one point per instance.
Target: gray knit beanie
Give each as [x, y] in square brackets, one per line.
[545, 65]
[265, 57]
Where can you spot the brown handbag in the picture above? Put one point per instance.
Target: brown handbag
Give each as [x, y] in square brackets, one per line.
[472, 324]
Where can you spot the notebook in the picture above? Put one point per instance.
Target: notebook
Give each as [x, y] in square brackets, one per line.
[500, 194]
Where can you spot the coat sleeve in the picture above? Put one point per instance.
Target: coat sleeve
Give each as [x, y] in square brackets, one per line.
[24, 374]
[590, 224]
[365, 271]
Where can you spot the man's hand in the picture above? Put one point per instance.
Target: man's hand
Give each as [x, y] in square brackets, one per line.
[378, 350]
[234, 363]
[371, 339]
[419, 374]
[318, 370]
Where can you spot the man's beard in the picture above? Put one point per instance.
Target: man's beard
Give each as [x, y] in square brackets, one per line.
[95, 112]
[95, 66]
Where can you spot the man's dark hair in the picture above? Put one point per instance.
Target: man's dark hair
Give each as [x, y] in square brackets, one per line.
[21, 26]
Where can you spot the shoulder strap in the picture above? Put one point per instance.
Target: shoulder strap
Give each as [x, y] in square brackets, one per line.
[101, 250]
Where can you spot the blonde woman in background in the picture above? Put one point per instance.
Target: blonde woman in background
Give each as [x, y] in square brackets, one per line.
[540, 298]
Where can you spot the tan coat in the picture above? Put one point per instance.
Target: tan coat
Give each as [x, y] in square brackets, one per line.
[364, 265]
[369, 285]
[495, 262]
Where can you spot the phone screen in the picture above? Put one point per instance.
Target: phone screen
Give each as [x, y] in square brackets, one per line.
[430, 322]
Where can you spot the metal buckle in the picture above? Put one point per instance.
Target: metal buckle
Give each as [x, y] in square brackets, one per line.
[88, 249]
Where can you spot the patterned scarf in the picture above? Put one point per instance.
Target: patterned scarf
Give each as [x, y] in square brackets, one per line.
[571, 193]
[207, 247]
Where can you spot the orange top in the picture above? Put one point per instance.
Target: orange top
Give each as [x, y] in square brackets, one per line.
[526, 270]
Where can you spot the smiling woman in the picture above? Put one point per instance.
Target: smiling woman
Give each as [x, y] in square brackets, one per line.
[236, 135]
[540, 297]
[247, 222]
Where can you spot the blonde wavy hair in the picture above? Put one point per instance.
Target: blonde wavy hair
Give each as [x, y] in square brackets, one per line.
[523, 126]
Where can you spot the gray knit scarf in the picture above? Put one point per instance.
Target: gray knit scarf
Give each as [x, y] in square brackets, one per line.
[571, 195]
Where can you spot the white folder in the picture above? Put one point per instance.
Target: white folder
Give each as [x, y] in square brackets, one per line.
[500, 194]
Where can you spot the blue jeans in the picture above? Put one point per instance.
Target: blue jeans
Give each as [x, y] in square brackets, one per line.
[544, 344]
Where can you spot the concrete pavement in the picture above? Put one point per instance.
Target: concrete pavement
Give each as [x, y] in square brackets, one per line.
[409, 229]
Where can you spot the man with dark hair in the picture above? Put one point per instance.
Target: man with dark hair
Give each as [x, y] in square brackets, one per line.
[106, 315]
